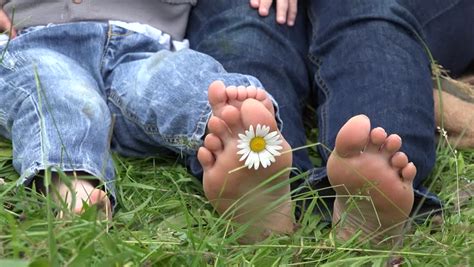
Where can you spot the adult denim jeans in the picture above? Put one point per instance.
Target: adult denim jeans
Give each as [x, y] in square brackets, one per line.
[70, 92]
[365, 59]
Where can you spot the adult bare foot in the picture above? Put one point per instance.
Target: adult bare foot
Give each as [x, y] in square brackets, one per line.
[83, 192]
[373, 182]
[244, 196]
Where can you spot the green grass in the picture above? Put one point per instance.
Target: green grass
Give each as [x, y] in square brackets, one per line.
[164, 219]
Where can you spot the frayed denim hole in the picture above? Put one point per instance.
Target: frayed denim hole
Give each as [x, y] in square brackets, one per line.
[183, 143]
[7, 60]
[3, 119]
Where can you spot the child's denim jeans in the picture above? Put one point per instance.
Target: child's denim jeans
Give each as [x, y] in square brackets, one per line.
[69, 93]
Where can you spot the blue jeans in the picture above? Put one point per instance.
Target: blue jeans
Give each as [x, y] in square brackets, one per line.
[364, 59]
[71, 92]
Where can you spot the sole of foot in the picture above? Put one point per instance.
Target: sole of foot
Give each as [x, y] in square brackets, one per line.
[244, 196]
[373, 181]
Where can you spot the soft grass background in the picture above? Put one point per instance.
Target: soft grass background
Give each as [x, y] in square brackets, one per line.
[164, 220]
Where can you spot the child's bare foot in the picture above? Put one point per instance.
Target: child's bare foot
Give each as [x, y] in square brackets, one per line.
[85, 192]
[241, 194]
[373, 182]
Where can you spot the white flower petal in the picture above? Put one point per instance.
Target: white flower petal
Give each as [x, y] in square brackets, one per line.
[262, 130]
[256, 163]
[243, 137]
[244, 155]
[243, 146]
[271, 136]
[274, 150]
[250, 133]
[252, 157]
[243, 151]
[265, 161]
[275, 139]
[264, 158]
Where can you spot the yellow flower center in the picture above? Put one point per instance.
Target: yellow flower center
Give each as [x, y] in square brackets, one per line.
[257, 144]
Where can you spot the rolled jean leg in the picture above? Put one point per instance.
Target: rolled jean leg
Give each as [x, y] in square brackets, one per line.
[53, 114]
[160, 102]
[368, 60]
[237, 37]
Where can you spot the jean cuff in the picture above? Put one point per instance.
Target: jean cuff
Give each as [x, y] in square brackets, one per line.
[32, 171]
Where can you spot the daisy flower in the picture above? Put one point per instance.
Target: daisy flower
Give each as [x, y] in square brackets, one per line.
[259, 146]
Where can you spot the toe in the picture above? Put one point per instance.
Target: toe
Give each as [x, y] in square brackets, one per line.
[251, 92]
[206, 158]
[399, 160]
[99, 199]
[392, 144]
[409, 172]
[353, 136]
[377, 139]
[250, 107]
[218, 128]
[261, 94]
[242, 93]
[231, 92]
[213, 143]
[217, 94]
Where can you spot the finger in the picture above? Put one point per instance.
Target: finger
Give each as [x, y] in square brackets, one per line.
[282, 9]
[264, 7]
[292, 11]
[255, 3]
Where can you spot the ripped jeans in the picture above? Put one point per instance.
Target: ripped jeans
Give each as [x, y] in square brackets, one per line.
[72, 92]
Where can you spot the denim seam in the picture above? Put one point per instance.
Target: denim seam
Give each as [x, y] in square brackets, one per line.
[117, 101]
[106, 47]
[189, 142]
[40, 128]
[146, 127]
[193, 141]
[441, 12]
[322, 118]
[198, 134]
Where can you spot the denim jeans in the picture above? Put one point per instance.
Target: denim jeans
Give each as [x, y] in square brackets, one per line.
[365, 58]
[70, 92]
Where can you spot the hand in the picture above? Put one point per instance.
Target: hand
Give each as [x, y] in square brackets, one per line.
[6, 24]
[285, 9]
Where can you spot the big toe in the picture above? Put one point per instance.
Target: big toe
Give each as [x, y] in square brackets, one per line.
[217, 95]
[353, 136]
[250, 108]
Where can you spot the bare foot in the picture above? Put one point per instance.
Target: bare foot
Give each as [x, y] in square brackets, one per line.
[85, 192]
[241, 194]
[373, 182]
